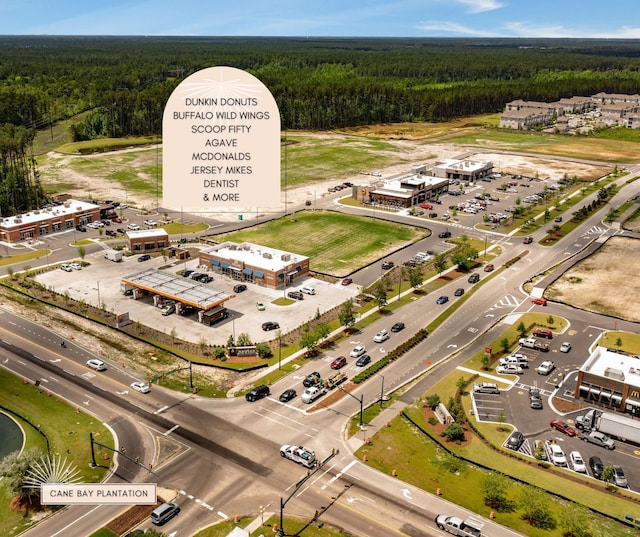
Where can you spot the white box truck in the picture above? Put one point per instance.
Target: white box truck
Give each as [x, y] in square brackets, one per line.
[113, 255]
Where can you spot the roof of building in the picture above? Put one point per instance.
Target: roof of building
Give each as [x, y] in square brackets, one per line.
[465, 165]
[183, 290]
[68, 208]
[610, 363]
[147, 233]
[255, 255]
[393, 192]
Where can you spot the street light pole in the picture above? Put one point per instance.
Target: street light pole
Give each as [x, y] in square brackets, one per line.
[98, 289]
[382, 391]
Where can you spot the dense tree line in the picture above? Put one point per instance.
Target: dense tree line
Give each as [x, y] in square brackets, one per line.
[319, 83]
[122, 84]
[20, 188]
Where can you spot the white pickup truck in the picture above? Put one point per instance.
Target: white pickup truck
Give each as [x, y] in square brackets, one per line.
[299, 454]
[456, 526]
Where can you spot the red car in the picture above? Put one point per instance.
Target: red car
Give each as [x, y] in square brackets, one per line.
[426, 206]
[339, 362]
[117, 220]
[563, 427]
[386, 265]
[347, 281]
[488, 268]
[540, 301]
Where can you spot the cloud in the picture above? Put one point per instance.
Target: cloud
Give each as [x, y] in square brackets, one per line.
[524, 29]
[444, 27]
[480, 6]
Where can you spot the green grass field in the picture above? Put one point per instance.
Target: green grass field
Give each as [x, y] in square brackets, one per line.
[67, 432]
[337, 243]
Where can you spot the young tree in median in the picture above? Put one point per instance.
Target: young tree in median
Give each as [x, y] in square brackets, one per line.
[346, 316]
[82, 252]
[380, 295]
[415, 277]
[440, 263]
[504, 344]
[464, 256]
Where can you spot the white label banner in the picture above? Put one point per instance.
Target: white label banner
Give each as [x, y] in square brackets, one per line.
[98, 493]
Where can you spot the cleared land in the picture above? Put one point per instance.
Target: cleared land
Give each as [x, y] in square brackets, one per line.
[337, 243]
[603, 282]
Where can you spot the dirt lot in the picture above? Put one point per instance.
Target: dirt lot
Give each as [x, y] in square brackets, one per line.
[602, 283]
[100, 185]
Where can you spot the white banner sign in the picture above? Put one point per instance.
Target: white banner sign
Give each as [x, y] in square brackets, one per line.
[98, 494]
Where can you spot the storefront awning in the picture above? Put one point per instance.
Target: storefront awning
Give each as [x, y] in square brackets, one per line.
[224, 265]
[258, 274]
[215, 262]
[247, 271]
[633, 403]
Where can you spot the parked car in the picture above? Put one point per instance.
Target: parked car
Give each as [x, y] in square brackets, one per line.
[619, 478]
[75, 266]
[543, 332]
[287, 395]
[144, 257]
[565, 347]
[239, 287]
[556, 455]
[363, 360]
[270, 325]
[563, 427]
[110, 233]
[81, 228]
[339, 362]
[442, 299]
[381, 336]
[599, 439]
[577, 462]
[186, 273]
[515, 441]
[486, 387]
[150, 223]
[296, 295]
[357, 351]
[397, 327]
[545, 367]
[509, 369]
[595, 463]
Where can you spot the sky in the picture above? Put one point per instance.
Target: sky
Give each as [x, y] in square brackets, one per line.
[362, 18]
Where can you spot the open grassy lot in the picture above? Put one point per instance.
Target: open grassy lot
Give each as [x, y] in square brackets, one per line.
[66, 430]
[337, 243]
[310, 159]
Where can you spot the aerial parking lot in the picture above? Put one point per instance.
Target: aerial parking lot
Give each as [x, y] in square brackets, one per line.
[99, 282]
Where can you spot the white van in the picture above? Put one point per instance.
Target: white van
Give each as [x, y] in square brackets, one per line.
[308, 290]
[163, 513]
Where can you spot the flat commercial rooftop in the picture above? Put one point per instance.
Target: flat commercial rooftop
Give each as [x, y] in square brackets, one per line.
[184, 290]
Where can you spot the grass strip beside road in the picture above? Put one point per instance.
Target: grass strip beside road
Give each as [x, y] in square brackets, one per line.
[66, 430]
